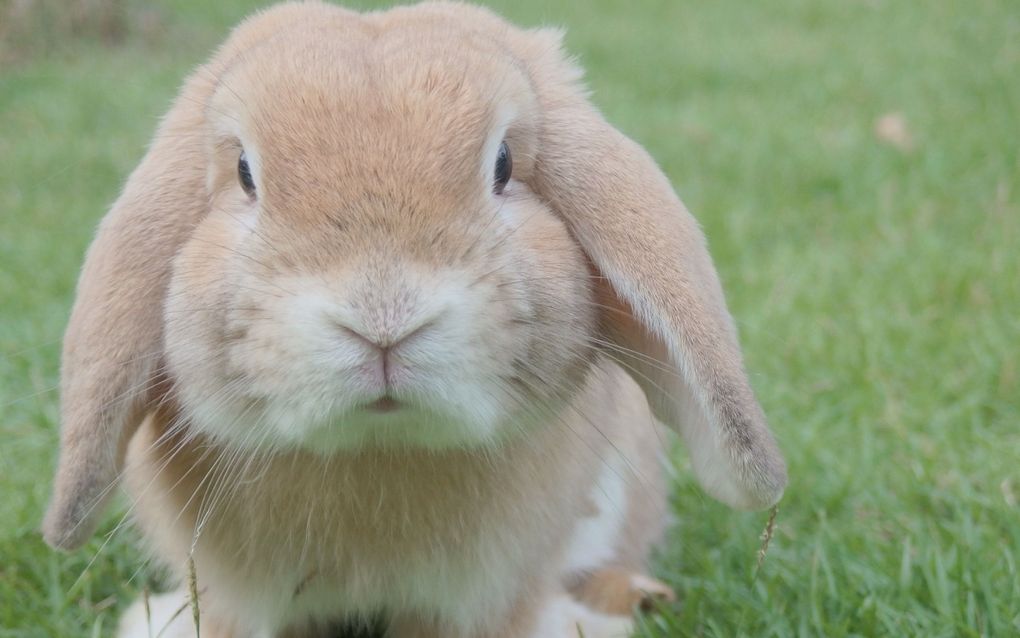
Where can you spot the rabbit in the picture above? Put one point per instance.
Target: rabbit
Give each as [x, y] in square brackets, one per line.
[389, 323]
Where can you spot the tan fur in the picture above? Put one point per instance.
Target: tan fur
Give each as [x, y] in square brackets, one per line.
[347, 518]
[370, 137]
[619, 591]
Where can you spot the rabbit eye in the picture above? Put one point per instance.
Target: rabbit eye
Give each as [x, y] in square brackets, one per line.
[504, 166]
[244, 175]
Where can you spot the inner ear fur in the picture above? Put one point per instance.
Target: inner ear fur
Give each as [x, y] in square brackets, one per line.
[667, 319]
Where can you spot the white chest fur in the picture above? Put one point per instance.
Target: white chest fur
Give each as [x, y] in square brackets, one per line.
[289, 538]
[293, 537]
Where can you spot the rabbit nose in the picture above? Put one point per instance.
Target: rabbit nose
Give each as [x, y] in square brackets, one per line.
[385, 343]
[386, 340]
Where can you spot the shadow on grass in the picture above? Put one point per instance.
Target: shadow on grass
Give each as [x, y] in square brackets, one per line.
[34, 28]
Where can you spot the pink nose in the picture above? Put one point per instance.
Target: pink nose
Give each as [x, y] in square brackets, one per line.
[385, 344]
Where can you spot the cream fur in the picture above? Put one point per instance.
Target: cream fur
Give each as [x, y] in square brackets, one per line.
[374, 262]
[479, 533]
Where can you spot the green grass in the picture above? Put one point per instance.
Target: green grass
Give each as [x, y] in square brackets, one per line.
[877, 291]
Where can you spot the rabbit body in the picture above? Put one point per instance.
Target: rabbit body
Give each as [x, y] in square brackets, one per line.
[384, 325]
[451, 543]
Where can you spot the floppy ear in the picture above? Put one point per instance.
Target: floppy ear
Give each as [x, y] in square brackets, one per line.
[669, 321]
[113, 343]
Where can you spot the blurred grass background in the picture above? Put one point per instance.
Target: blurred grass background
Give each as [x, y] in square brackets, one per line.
[855, 166]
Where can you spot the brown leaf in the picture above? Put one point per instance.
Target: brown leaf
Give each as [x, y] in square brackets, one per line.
[892, 129]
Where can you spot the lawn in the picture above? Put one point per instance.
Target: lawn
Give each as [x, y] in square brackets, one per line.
[855, 166]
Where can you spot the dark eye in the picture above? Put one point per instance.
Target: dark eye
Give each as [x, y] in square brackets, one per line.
[504, 166]
[244, 175]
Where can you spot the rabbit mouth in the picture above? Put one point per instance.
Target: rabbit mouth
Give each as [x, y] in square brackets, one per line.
[384, 405]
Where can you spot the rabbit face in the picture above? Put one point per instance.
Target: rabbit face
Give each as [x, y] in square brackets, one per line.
[372, 270]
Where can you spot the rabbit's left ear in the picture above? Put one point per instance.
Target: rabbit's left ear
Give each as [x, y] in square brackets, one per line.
[669, 323]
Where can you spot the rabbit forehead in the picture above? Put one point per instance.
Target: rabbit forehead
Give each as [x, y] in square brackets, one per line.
[340, 103]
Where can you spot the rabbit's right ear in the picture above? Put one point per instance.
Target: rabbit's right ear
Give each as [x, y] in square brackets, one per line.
[113, 344]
